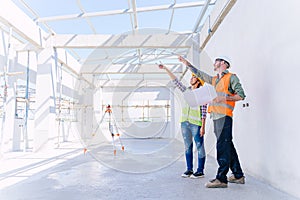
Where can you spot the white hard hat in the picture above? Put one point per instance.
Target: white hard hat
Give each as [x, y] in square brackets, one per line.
[225, 58]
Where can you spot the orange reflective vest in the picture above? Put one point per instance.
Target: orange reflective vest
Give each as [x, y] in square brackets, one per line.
[225, 108]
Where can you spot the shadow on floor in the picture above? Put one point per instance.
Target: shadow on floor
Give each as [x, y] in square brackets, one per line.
[70, 174]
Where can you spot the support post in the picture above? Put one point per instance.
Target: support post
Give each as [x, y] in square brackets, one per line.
[46, 87]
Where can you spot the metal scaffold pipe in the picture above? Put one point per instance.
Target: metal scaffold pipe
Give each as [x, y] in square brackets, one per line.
[5, 70]
[27, 104]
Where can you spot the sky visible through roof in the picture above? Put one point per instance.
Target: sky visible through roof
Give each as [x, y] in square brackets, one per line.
[159, 17]
[184, 19]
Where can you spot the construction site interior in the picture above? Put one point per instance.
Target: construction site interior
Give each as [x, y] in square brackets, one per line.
[86, 113]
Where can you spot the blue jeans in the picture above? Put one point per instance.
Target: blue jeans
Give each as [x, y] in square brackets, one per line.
[190, 131]
[226, 154]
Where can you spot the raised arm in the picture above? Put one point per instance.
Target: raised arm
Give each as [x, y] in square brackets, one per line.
[204, 76]
[172, 76]
[174, 79]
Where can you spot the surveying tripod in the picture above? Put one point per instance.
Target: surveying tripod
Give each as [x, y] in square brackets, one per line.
[112, 127]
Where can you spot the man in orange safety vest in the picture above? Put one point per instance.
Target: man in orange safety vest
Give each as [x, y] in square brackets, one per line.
[229, 90]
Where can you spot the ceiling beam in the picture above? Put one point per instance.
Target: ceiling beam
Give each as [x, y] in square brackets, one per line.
[121, 41]
[221, 9]
[123, 11]
[135, 21]
[87, 19]
[201, 15]
[22, 24]
[172, 16]
[127, 73]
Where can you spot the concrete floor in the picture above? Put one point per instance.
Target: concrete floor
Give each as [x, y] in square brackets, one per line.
[68, 173]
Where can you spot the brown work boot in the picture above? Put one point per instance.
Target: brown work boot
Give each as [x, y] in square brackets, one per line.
[232, 179]
[215, 183]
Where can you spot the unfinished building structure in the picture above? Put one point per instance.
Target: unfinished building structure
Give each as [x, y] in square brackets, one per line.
[60, 70]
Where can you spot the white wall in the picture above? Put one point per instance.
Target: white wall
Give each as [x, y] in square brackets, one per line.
[262, 39]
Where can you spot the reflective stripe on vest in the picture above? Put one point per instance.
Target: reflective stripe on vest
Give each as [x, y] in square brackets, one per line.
[222, 86]
[192, 115]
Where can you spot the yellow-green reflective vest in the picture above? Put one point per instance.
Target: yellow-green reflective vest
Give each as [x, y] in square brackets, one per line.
[192, 115]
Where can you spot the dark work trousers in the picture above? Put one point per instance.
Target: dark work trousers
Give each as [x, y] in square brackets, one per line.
[226, 154]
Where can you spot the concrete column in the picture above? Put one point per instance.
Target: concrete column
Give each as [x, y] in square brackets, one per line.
[87, 101]
[46, 87]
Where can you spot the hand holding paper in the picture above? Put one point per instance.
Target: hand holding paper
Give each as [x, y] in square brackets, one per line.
[200, 96]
